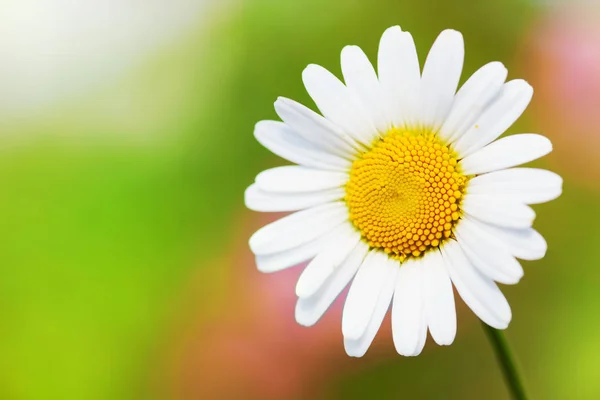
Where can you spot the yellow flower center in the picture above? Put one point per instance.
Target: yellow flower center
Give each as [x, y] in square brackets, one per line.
[404, 193]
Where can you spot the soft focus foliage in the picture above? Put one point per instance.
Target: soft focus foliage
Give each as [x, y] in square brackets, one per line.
[122, 211]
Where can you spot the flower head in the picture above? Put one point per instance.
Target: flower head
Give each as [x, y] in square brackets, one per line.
[402, 190]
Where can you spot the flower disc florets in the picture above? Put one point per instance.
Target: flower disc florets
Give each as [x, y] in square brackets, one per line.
[404, 193]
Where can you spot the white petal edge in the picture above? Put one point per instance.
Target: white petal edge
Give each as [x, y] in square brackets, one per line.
[438, 295]
[338, 104]
[506, 152]
[513, 99]
[259, 200]
[298, 228]
[481, 294]
[275, 262]
[526, 244]
[339, 244]
[440, 77]
[315, 129]
[399, 75]
[296, 178]
[358, 348]
[472, 99]
[361, 79]
[281, 140]
[500, 212]
[309, 310]
[526, 185]
[363, 294]
[486, 253]
[408, 309]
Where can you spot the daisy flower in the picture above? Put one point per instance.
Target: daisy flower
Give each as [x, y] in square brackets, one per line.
[401, 190]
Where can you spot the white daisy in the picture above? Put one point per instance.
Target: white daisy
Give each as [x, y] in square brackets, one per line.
[402, 189]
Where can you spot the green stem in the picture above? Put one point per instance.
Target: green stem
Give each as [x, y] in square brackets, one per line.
[507, 362]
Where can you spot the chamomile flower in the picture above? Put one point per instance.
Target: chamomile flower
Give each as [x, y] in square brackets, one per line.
[401, 190]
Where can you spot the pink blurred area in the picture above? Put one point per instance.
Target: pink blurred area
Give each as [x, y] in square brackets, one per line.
[254, 341]
[562, 59]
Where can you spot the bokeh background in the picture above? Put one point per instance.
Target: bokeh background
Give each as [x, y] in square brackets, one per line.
[125, 147]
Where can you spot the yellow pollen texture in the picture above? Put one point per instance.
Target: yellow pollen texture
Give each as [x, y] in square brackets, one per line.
[404, 193]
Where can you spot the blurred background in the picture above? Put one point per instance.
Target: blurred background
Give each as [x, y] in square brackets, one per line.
[125, 147]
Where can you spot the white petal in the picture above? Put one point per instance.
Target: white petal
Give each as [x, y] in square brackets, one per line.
[259, 200]
[284, 142]
[441, 74]
[298, 228]
[439, 299]
[338, 245]
[501, 212]
[472, 98]
[315, 129]
[506, 152]
[361, 79]
[309, 310]
[363, 294]
[296, 178]
[275, 262]
[399, 74]
[526, 185]
[338, 104]
[479, 292]
[486, 253]
[526, 244]
[497, 118]
[408, 310]
[422, 335]
[358, 348]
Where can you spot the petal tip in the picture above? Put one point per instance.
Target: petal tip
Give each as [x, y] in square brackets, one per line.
[248, 193]
[452, 34]
[259, 129]
[393, 28]
[350, 48]
[253, 245]
[309, 69]
[303, 319]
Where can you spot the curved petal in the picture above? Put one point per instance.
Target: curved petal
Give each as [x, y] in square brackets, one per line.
[361, 79]
[310, 309]
[275, 262]
[339, 244]
[506, 152]
[363, 294]
[472, 99]
[408, 310]
[439, 299]
[338, 104]
[481, 294]
[315, 129]
[526, 244]
[499, 212]
[297, 179]
[486, 253]
[441, 74]
[283, 141]
[258, 200]
[399, 75]
[298, 228]
[497, 118]
[525, 185]
[358, 348]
